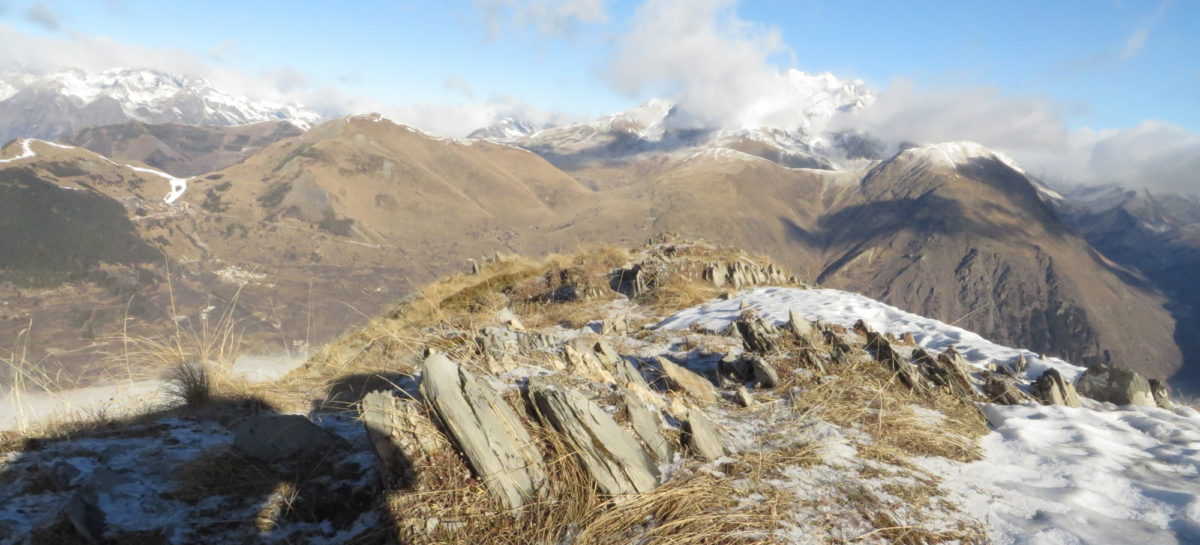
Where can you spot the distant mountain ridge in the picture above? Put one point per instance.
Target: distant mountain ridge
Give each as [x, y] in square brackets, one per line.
[59, 104]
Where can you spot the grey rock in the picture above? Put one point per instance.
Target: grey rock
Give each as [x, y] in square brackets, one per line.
[743, 396]
[758, 336]
[648, 426]
[764, 373]
[618, 463]
[687, 381]
[801, 328]
[1116, 385]
[701, 437]
[906, 372]
[947, 370]
[1051, 389]
[272, 437]
[401, 435]
[486, 431]
[1003, 390]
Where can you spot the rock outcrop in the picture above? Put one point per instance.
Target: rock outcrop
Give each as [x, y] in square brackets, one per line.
[1051, 389]
[486, 429]
[402, 436]
[617, 462]
[1116, 385]
[701, 437]
[1003, 390]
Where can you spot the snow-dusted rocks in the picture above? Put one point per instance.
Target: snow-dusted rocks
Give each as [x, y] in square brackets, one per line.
[681, 379]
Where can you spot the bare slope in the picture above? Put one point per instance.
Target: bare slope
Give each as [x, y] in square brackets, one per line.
[183, 150]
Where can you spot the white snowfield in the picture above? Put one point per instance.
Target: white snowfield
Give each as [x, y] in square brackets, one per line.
[1051, 475]
[178, 185]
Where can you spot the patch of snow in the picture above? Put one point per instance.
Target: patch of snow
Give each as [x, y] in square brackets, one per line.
[1058, 475]
[957, 153]
[845, 308]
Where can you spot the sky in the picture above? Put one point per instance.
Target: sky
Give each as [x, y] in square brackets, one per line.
[1079, 90]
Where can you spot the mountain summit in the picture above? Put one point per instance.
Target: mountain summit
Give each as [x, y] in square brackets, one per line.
[62, 103]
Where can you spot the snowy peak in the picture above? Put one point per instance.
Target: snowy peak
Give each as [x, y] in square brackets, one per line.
[58, 104]
[955, 154]
[506, 129]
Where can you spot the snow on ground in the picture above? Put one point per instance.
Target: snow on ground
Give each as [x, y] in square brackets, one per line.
[1051, 475]
[845, 308]
[1056, 475]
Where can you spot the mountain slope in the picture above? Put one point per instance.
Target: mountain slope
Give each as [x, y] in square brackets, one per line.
[183, 150]
[60, 104]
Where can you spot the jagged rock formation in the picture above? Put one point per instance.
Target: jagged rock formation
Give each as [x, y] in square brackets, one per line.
[613, 458]
[486, 429]
[1051, 389]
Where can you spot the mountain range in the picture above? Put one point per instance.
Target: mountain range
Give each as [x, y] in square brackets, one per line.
[58, 104]
[310, 232]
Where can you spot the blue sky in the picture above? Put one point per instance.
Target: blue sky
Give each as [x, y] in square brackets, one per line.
[1084, 55]
[1076, 90]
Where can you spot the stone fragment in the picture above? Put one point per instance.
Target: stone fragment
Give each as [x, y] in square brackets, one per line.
[945, 371]
[701, 437]
[401, 435]
[1003, 390]
[486, 430]
[1051, 389]
[618, 463]
[758, 336]
[801, 328]
[647, 426]
[908, 374]
[743, 396]
[1116, 385]
[680, 379]
[584, 362]
[765, 375]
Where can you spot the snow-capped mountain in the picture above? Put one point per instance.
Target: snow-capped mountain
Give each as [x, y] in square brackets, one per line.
[58, 104]
[787, 129]
[506, 129]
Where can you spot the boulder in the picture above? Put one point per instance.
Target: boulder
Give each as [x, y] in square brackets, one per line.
[1003, 390]
[647, 426]
[1051, 389]
[618, 463]
[402, 436]
[1116, 385]
[485, 429]
[701, 437]
[758, 336]
[680, 379]
[734, 368]
[271, 437]
[763, 372]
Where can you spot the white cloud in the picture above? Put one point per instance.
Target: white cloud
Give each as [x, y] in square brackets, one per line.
[460, 119]
[41, 15]
[1135, 43]
[550, 17]
[457, 84]
[699, 54]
